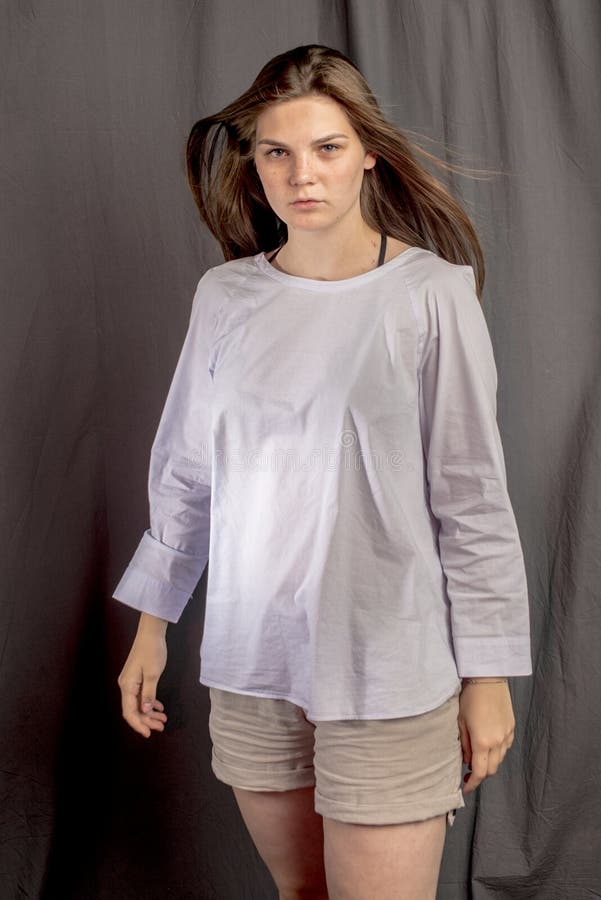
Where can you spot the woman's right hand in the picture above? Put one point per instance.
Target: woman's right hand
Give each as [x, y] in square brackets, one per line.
[140, 674]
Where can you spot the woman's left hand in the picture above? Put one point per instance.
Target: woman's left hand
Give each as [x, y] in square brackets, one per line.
[486, 728]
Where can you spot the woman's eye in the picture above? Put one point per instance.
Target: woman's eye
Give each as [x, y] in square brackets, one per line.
[277, 150]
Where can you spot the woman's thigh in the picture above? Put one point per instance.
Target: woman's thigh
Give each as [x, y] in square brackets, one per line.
[288, 835]
[386, 790]
[263, 748]
[389, 862]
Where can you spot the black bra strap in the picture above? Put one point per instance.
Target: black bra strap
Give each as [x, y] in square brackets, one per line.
[382, 250]
[380, 258]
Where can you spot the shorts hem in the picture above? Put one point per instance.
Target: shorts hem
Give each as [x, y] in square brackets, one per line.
[392, 815]
[287, 781]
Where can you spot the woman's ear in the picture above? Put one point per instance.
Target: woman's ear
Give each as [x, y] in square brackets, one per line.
[371, 159]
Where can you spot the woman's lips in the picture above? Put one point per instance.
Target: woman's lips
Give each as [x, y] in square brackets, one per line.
[306, 204]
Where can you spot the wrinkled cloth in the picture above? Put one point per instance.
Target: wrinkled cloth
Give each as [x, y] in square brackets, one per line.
[331, 449]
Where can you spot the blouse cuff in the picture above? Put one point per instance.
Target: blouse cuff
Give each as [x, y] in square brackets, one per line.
[502, 656]
[159, 580]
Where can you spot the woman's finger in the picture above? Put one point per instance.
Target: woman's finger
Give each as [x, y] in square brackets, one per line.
[484, 764]
[142, 723]
[479, 768]
[494, 761]
[145, 723]
[129, 697]
[153, 724]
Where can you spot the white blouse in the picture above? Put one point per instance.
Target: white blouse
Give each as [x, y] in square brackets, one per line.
[331, 449]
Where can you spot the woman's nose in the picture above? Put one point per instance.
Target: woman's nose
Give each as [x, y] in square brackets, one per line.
[301, 171]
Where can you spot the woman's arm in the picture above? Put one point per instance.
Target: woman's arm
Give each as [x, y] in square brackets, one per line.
[478, 539]
[173, 552]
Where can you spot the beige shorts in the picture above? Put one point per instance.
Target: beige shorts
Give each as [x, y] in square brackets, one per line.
[365, 771]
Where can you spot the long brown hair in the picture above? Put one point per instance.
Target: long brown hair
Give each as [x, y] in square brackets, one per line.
[398, 195]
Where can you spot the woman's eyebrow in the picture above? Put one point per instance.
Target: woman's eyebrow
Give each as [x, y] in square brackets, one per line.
[321, 140]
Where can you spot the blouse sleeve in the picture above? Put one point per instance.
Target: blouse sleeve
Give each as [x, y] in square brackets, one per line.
[479, 544]
[174, 551]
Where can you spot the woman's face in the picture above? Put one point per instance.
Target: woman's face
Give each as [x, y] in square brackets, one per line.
[307, 148]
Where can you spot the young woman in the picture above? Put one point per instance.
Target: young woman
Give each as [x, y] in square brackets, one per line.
[329, 445]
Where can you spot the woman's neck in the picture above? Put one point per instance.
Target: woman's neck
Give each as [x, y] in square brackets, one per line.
[329, 258]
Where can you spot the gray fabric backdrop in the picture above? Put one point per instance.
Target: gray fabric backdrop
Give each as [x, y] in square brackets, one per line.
[101, 252]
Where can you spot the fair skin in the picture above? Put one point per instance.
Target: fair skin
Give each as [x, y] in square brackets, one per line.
[329, 241]
[309, 855]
